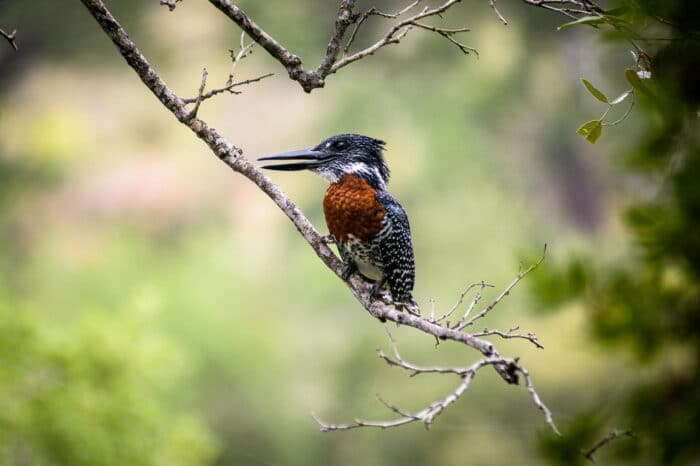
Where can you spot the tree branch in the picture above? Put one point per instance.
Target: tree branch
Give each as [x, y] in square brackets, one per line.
[570, 8]
[399, 30]
[521, 274]
[230, 83]
[428, 414]
[531, 337]
[615, 434]
[330, 62]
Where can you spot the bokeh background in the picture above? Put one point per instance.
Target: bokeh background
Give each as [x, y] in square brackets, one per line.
[157, 309]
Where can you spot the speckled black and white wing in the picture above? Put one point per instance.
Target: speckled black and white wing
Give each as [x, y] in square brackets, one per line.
[396, 249]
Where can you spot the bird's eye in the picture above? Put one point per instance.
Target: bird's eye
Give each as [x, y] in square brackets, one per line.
[339, 145]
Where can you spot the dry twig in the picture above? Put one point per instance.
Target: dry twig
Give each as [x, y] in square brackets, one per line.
[570, 8]
[399, 30]
[521, 274]
[615, 434]
[531, 337]
[230, 85]
[331, 62]
[428, 414]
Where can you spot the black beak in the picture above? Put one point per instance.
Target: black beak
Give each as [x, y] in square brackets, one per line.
[308, 158]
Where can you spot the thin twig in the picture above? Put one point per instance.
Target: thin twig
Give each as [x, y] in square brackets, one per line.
[447, 34]
[531, 337]
[228, 88]
[482, 284]
[588, 454]
[570, 8]
[376, 12]
[330, 63]
[537, 400]
[244, 51]
[504, 293]
[198, 99]
[428, 414]
[498, 13]
[399, 30]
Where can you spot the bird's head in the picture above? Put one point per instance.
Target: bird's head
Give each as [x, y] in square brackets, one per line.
[336, 156]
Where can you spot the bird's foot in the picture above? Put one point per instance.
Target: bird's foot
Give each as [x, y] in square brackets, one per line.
[376, 288]
[350, 268]
[329, 239]
[410, 307]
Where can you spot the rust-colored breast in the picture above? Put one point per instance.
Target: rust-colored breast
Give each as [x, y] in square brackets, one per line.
[351, 209]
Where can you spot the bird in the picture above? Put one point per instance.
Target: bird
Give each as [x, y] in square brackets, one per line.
[368, 225]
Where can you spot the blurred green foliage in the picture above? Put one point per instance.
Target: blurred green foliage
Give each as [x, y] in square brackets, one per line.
[649, 306]
[90, 393]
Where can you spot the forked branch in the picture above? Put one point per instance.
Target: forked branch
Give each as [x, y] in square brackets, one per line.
[508, 368]
[231, 84]
[573, 9]
[613, 435]
[333, 59]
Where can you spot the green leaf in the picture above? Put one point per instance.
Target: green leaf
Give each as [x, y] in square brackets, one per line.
[590, 20]
[594, 91]
[595, 133]
[635, 81]
[586, 128]
[591, 130]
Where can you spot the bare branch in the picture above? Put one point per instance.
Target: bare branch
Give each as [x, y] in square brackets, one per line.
[289, 60]
[615, 434]
[531, 337]
[376, 12]
[330, 63]
[11, 37]
[198, 100]
[244, 51]
[432, 411]
[428, 414]
[399, 30]
[569, 8]
[504, 293]
[482, 284]
[537, 400]
[230, 83]
[447, 34]
[498, 13]
[344, 19]
[227, 88]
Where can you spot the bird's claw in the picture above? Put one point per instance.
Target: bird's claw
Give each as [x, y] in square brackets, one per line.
[328, 239]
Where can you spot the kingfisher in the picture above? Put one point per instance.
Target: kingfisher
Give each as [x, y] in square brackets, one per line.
[368, 225]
